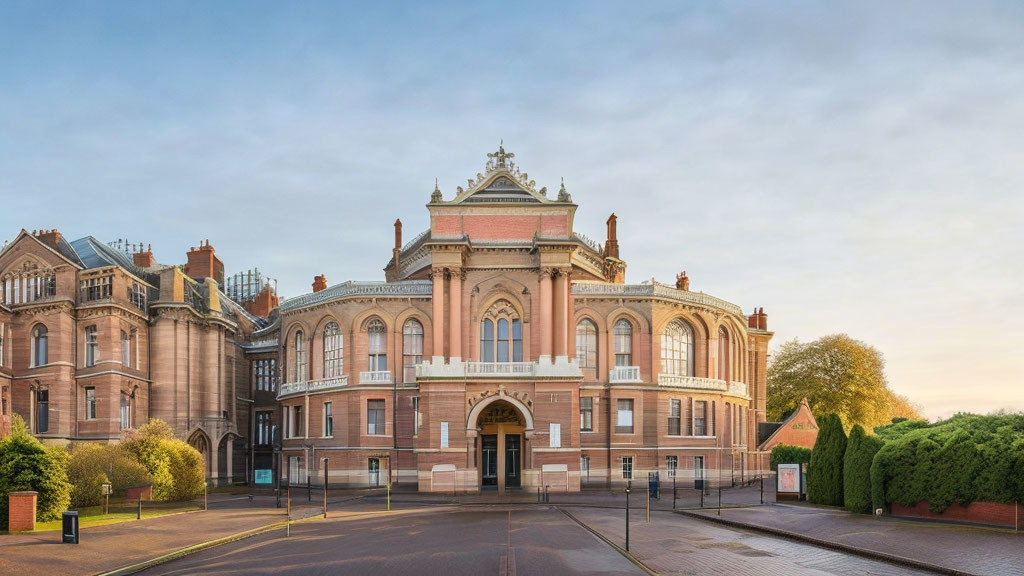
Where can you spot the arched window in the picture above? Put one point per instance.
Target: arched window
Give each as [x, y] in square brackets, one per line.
[377, 345]
[623, 343]
[300, 357]
[501, 334]
[126, 349]
[724, 366]
[92, 346]
[677, 349]
[412, 347]
[40, 351]
[586, 343]
[334, 346]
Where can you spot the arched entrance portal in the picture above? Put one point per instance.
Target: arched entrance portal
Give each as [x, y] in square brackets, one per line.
[201, 442]
[501, 428]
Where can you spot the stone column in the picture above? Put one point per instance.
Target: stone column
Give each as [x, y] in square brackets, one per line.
[545, 317]
[560, 314]
[437, 296]
[455, 315]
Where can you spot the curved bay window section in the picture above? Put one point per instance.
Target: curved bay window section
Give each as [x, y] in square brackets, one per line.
[412, 348]
[677, 354]
[622, 340]
[299, 368]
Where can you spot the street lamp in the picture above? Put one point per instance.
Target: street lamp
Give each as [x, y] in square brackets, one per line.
[629, 486]
[327, 472]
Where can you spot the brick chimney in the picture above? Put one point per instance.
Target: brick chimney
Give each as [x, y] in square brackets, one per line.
[758, 320]
[611, 243]
[49, 237]
[264, 302]
[319, 283]
[398, 246]
[204, 263]
[683, 281]
[144, 258]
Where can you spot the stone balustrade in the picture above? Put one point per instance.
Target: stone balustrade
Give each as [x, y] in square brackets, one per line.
[624, 374]
[375, 377]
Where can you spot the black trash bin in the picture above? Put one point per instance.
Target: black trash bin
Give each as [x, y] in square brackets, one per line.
[69, 533]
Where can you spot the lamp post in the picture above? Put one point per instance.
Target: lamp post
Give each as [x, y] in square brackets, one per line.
[629, 486]
[327, 472]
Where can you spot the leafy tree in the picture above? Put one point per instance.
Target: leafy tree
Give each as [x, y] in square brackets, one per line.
[25, 464]
[836, 374]
[825, 472]
[176, 467]
[785, 454]
[93, 464]
[860, 452]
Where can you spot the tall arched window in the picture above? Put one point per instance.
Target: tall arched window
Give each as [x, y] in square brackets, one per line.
[377, 333]
[724, 365]
[586, 343]
[677, 349]
[40, 350]
[334, 346]
[501, 334]
[412, 347]
[623, 343]
[300, 356]
[92, 346]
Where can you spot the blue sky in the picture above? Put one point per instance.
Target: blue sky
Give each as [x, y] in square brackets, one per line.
[849, 167]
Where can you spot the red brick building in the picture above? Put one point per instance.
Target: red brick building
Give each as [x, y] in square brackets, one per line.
[506, 350]
[95, 340]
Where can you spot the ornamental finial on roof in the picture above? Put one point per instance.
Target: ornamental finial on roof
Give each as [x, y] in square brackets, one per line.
[436, 195]
[500, 159]
[563, 194]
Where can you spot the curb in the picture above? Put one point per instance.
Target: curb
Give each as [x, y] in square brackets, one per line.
[828, 544]
[615, 546]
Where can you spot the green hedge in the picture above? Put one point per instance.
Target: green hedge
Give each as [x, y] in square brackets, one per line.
[785, 454]
[860, 451]
[964, 459]
[93, 464]
[25, 464]
[176, 467]
[825, 472]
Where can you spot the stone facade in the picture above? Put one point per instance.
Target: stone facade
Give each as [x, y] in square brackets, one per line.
[94, 341]
[505, 350]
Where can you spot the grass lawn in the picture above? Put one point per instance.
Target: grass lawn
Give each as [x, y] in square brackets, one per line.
[93, 516]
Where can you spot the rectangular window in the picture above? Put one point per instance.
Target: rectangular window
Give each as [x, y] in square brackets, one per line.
[444, 434]
[126, 412]
[126, 349]
[671, 465]
[91, 346]
[700, 427]
[374, 471]
[585, 467]
[264, 375]
[415, 415]
[137, 296]
[94, 289]
[3, 401]
[90, 403]
[517, 341]
[375, 417]
[294, 422]
[627, 467]
[264, 432]
[624, 423]
[328, 420]
[555, 435]
[42, 411]
[675, 408]
[586, 414]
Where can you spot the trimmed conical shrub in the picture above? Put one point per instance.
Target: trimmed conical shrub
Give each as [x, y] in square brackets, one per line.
[860, 451]
[825, 472]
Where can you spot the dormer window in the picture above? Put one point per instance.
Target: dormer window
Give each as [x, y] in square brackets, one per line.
[93, 289]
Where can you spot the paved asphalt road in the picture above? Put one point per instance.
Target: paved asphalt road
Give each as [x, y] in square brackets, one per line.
[471, 542]
[514, 540]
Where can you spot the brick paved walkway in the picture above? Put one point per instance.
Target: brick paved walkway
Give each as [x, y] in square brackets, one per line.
[113, 546]
[968, 549]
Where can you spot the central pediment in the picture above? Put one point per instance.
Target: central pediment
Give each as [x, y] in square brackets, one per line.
[502, 183]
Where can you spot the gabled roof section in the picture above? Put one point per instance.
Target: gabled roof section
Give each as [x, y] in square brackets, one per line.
[501, 183]
[64, 249]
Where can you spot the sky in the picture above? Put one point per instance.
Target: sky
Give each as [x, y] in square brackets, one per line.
[849, 167]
